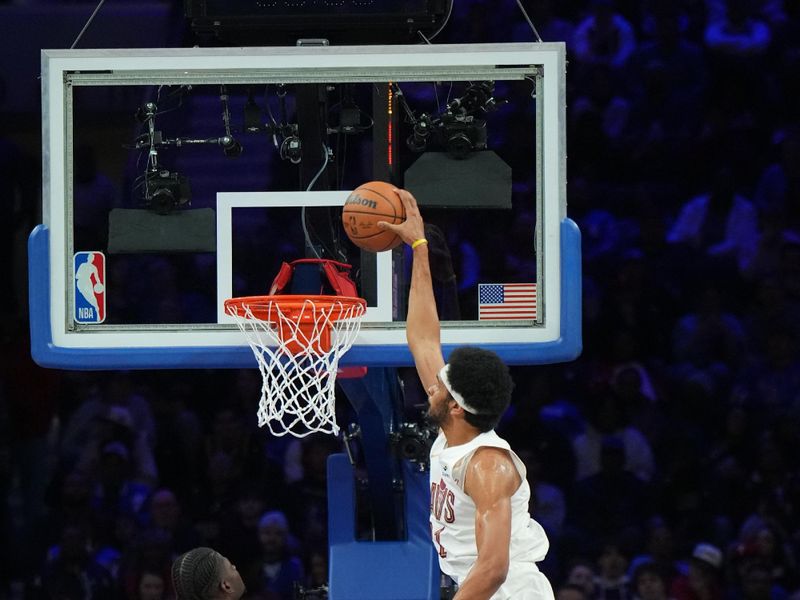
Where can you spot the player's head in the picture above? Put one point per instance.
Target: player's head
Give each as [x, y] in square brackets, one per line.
[480, 383]
[204, 574]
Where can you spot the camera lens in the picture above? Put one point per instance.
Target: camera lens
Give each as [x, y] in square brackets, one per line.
[459, 145]
[413, 449]
[163, 201]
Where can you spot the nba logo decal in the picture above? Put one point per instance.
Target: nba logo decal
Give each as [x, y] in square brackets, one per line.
[90, 287]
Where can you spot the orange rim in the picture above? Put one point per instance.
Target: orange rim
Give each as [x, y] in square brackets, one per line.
[293, 306]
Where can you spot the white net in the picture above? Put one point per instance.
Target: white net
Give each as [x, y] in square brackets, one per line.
[298, 347]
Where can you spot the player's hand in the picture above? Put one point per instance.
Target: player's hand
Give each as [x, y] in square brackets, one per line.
[413, 228]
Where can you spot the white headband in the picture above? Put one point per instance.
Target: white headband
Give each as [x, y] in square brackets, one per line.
[456, 396]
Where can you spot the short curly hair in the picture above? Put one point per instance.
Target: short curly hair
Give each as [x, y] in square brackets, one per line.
[482, 378]
[196, 573]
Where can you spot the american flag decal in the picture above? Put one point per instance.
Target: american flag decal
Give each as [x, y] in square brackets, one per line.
[506, 301]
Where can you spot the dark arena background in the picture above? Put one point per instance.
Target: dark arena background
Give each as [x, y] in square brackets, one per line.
[663, 460]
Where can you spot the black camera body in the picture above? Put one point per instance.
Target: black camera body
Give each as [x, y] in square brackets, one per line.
[413, 442]
[462, 134]
[457, 130]
[166, 191]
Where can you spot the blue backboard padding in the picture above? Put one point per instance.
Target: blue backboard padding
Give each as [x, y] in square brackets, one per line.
[569, 345]
[47, 354]
[390, 570]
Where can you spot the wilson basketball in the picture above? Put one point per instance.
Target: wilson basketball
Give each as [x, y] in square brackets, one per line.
[365, 206]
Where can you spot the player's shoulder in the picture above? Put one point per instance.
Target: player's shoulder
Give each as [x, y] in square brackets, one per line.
[488, 457]
[492, 461]
[491, 468]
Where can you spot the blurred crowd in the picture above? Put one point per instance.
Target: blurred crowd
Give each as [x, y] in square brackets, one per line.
[663, 461]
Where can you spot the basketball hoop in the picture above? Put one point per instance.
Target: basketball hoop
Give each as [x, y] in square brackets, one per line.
[297, 342]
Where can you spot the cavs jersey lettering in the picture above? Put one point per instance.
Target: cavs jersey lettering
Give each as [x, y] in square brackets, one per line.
[453, 521]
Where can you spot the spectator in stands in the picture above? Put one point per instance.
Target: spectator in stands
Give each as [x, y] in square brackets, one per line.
[737, 30]
[738, 40]
[667, 78]
[150, 552]
[113, 412]
[611, 502]
[649, 583]
[308, 510]
[720, 225]
[218, 499]
[179, 434]
[728, 462]
[238, 538]
[612, 579]
[69, 500]
[767, 544]
[769, 309]
[166, 514]
[771, 380]
[659, 555]
[571, 591]
[151, 586]
[582, 573]
[632, 384]
[114, 544]
[548, 506]
[604, 37]
[778, 188]
[704, 578]
[116, 492]
[244, 448]
[771, 473]
[608, 421]
[316, 568]
[707, 347]
[276, 570]
[603, 104]
[69, 571]
[789, 266]
[754, 581]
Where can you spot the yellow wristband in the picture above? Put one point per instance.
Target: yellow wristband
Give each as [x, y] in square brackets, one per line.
[419, 242]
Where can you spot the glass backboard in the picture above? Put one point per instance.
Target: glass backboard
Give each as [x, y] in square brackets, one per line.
[174, 179]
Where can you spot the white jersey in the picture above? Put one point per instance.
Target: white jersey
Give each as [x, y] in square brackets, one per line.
[453, 521]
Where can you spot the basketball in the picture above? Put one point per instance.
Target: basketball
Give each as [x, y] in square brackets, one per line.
[365, 206]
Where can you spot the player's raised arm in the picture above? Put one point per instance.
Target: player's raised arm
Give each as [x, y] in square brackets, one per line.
[422, 323]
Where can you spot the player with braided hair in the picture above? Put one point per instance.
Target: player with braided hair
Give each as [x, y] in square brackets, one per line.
[204, 574]
[486, 539]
